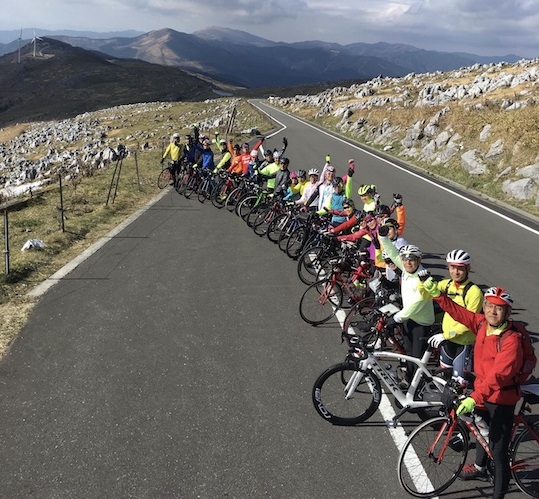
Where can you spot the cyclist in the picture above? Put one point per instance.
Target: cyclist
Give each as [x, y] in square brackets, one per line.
[311, 188]
[417, 313]
[389, 227]
[270, 170]
[342, 190]
[299, 188]
[190, 150]
[369, 197]
[456, 340]
[226, 157]
[204, 159]
[290, 196]
[174, 151]
[497, 365]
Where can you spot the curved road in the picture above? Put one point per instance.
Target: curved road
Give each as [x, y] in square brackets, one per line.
[172, 363]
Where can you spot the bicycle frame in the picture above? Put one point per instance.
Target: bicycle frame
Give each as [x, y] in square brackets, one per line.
[405, 399]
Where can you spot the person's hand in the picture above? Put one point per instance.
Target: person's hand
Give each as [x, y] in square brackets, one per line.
[285, 142]
[397, 199]
[303, 208]
[328, 159]
[436, 340]
[216, 133]
[423, 274]
[431, 287]
[467, 405]
[162, 160]
[383, 231]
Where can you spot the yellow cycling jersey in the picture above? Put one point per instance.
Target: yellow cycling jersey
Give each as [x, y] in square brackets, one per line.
[467, 295]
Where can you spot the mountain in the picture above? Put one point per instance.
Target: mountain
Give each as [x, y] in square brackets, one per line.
[63, 80]
[241, 59]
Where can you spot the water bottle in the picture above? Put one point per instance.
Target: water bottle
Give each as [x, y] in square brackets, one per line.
[482, 426]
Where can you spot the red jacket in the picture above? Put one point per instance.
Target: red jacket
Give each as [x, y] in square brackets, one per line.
[496, 371]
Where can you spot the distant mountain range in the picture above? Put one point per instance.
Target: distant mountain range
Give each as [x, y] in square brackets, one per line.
[240, 59]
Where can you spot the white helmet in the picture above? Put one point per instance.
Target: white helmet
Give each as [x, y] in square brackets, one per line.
[175, 136]
[276, 155]
[458, 257]
[410, 250]
[314, 171]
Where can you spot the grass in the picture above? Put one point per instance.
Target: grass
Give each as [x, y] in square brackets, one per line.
[87, 216]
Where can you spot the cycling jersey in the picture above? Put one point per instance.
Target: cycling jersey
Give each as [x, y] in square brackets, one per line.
[174, 151]
[270, 172]
[473, 301]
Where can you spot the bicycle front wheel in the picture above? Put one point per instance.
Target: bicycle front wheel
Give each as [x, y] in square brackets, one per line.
[296, 242]
[165, 178]
[432, 458]
[312, 263]
[338, 402]
[319, 302]
[525, 461]
[276, 226]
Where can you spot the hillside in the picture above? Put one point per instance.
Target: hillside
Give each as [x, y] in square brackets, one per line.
[62, 81]
[476, 126]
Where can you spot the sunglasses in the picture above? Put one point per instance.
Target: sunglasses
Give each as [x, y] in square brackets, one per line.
[409, 258]
[346, 207]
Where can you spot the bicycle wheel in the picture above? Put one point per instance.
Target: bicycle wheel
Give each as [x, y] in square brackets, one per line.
[331, 398]
[253, 214]
[192, 186]
[285, 234]
[319, 302]
[233, 198]
[181, 185]
[312, 263]
[262, 221]
[361, 317]
[294, 245]
[165, 178]
[245, 206]
[525, 461]
[219, 195]
[276, 226]
[431, 459]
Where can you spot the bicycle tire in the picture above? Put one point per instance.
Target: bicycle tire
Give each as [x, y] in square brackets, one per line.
[181, 185]
[357, 320]
[245, 206]
[262, 221]
[418, 471]
[191, 187]
[310, 262]
[233, 198]
[329, 399]
[219, 195]
[275, 227]
[296, 241]
[285, 234]
[319, 302]
[253, 214]
[164, 178]
[525, 461]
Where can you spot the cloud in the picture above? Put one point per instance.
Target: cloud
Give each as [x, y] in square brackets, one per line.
[477, 26]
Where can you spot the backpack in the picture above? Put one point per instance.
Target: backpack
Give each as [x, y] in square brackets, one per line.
[469, 284]
[529, 359]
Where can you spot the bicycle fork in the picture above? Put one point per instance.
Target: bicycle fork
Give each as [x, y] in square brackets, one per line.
[353, 383]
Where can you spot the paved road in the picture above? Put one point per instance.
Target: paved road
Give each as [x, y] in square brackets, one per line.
[172, 363]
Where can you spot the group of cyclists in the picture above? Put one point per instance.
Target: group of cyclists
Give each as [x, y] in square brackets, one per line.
[471, 352]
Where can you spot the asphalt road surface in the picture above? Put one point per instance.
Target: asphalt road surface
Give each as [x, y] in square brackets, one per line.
[172, 363]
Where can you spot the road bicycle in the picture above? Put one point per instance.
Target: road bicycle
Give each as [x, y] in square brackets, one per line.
[306, 235]
[185, 175]
[342, 286]
[349, 393]
[435, 452]
[206, 186]
[317, 260]
[278, 224]
[266, 215]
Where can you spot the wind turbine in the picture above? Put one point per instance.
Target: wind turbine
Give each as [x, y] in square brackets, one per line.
[20, 41]
[34, 41]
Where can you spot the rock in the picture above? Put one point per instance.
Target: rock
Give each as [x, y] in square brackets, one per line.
[522, 189]
[485, 133]
[472, 164]
[495, 149]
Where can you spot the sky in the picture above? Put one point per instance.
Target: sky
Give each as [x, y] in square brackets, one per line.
[484, 27]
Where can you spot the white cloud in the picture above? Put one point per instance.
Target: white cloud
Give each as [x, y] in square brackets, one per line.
[477, 26]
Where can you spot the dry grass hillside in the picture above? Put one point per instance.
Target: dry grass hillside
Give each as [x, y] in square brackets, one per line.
[477, 126]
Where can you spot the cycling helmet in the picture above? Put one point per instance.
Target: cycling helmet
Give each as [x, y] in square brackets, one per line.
[410, 250]
[391, 222]
[245, 145]
[175, 136]
[458, 257]
[302, 173]
[293, 175]
[330, 169]
[382, 209]
[349, 202]
[498, 296]
[268, 153]
[337, 181]
[366, 189]
[222, 142]
[314, 171]
[285, 161]
[276, 155]
[237, 147]
[254, 153]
